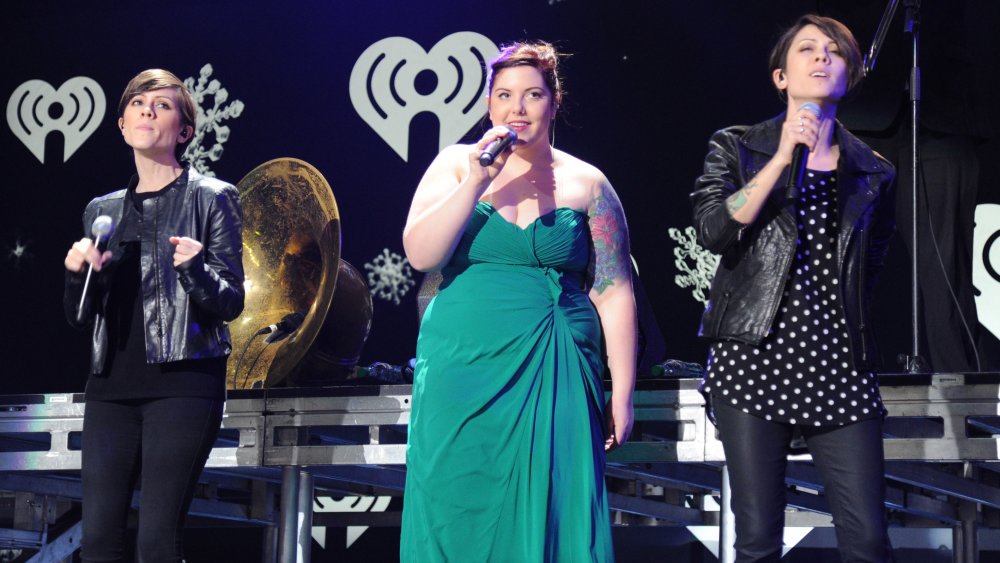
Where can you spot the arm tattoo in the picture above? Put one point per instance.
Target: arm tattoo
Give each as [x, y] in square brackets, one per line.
[736, 201]
[609, 236]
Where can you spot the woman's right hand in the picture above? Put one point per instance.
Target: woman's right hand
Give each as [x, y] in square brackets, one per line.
[445, 199]
[799, 128]
[84, 252]
[483, 175]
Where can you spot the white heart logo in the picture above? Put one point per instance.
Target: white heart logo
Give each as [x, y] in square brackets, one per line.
[347, 504]
[29, 113]
[986, 265]
[383, 86]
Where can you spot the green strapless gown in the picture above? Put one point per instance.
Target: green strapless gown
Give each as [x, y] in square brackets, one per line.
[505, 459]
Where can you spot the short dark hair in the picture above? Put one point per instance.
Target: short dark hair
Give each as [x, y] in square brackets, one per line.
[154, 79]
[833, 29]
[538, 54]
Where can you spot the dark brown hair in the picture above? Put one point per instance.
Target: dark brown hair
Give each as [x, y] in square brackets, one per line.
[154, 79]
[833, 29]
[537, 54]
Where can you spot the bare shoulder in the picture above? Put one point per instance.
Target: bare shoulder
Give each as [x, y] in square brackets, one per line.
[579, 179]
[454, 156]
[577, 169]
[454, 151]
[450, 164]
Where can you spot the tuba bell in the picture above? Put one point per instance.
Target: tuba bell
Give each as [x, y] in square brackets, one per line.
[291, 256]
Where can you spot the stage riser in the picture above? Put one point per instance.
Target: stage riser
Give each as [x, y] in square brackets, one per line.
[671, 426]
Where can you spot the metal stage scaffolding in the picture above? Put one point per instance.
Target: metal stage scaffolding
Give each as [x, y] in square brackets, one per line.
[281, 447]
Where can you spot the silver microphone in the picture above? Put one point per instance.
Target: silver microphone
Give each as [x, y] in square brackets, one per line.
[800, 156]
[101, 228]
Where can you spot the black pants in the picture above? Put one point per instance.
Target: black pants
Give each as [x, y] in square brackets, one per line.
[850, 461]
[167, 440]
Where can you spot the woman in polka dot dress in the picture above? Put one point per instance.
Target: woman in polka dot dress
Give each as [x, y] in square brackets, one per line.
[787, 312]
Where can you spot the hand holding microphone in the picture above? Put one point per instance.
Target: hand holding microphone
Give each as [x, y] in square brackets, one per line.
[84, 251]
[495, 147]
[87, 251]
[800, 155]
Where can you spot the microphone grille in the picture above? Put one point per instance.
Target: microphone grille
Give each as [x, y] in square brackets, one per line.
[811, 108]
[102, 226]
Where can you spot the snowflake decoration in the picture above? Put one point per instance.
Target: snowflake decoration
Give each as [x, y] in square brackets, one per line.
[389, 276]
[209, 120]
[18, 253]
[696, 264]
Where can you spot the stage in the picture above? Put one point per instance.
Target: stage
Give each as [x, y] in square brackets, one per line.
[347, 443]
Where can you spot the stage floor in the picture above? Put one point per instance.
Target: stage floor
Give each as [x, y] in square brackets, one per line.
[941, 447]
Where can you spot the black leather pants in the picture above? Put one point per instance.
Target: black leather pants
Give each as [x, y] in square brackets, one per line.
[850, 461]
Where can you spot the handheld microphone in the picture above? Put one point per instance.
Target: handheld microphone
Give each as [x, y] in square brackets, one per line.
[497, 146]
[799, 158]
[100, 228]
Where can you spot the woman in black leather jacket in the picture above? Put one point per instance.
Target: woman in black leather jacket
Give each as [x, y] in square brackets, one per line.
[788, 309]
[162, 290]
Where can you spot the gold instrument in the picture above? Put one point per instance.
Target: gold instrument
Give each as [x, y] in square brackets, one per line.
[335, 352]
[291, 256]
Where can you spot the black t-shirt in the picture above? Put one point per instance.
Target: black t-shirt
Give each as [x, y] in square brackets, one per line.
[127, 375]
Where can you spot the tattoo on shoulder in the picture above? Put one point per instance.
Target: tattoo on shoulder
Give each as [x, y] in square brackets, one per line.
[609, 236]
[736, 201]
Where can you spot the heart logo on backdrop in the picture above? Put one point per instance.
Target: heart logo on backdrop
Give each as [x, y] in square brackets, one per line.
[384, 91]
[986, 265]
[35, 109]
[347, 504]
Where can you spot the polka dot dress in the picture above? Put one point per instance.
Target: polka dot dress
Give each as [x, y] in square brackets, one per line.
[802, 372]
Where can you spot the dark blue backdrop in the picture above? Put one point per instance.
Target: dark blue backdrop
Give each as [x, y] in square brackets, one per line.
[648, 81]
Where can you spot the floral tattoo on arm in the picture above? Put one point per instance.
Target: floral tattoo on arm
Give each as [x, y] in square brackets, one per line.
[609, 236]
[739, 199]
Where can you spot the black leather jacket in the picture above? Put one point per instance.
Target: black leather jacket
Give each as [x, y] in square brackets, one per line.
[755, 259]
[185, 308]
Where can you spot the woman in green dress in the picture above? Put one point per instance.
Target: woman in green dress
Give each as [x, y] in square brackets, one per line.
[509, 428]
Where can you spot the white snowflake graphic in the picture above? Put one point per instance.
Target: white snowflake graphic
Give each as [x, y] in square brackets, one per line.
[209, 120]
[18, 253]
[696, 264]
[389, 276]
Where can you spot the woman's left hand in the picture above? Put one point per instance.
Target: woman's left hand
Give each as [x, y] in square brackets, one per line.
[185, 248]
[619, 417]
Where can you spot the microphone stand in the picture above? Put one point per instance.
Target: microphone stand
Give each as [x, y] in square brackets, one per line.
[913, 362]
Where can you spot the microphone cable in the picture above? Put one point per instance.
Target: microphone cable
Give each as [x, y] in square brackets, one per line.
[944, 272]
[243, 353]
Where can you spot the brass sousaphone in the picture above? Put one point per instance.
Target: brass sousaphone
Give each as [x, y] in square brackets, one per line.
[291, 255]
